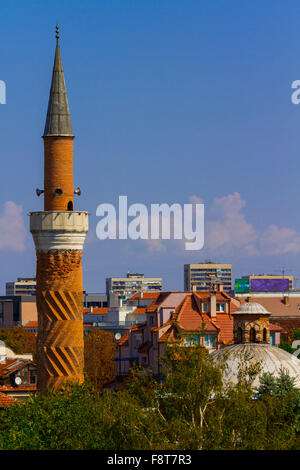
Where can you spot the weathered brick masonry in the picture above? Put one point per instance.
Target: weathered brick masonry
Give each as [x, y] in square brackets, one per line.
[60, 307]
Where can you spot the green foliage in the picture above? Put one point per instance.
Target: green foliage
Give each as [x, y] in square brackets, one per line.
[296, 334]
[19, 340]
[191, 409]
[286, 346]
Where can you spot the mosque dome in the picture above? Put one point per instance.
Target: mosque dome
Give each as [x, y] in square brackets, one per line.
[248, 308]
[271, 358]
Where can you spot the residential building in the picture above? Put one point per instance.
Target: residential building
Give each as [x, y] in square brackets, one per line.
[17, 309]
[94, 300]
[125, 287]
[204, 317]
[118, 318]
[23, 286]
[17, 374]
[264, 283]
[201, 276]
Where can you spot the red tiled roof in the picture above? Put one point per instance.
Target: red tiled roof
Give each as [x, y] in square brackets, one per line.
[9, 388]
[6, 400]
[122, 341]
[31, 324]
[189, 318]
[276, 305]
[10, 365]
[96, 311]
[146, 295]
[138, 326]
[139, 311]
[274, 327]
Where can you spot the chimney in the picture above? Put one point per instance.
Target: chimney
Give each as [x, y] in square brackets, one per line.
[213, 304]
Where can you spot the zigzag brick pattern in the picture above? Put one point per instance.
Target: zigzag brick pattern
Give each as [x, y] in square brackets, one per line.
[60, 354]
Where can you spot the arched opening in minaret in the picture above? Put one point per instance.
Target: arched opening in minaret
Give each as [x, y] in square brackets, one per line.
[252, 335]
[70, 205]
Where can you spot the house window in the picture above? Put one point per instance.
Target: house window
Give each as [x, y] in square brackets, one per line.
[205, 307]
[192, 340]
[210, 341]
[151, 320]
[32, 378]
[220, 307]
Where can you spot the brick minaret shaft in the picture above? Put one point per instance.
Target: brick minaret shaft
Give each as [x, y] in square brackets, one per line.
[59, 234]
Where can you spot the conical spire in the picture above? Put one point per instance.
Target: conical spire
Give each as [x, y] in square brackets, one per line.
[58, 122]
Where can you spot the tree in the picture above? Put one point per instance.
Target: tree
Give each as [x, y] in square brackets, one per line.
[19, 340]
[191, 409]
[99, 357]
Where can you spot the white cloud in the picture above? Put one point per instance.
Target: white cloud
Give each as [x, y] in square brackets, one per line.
[12, 228]
[277, 241]
[229, 225]
[229, 230]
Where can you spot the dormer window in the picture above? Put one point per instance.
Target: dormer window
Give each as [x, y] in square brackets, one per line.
[220, 307]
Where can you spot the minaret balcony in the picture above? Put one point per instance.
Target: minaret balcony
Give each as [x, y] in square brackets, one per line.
[59, 230]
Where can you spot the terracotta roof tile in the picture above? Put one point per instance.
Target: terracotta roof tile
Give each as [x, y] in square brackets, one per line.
[123, 340]
[96, 311]
[6, 400]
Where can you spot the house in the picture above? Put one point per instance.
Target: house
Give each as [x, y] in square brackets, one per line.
[204, 317]
[17, 374]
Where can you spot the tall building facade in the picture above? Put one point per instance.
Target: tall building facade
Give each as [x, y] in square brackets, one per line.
[59, 233]
[125, 287]
[23, 286]
[202, 276]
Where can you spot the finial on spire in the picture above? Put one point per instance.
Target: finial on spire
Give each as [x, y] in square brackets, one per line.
[57, 32]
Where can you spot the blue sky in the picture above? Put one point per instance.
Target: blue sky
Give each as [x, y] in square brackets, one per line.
[170, 100]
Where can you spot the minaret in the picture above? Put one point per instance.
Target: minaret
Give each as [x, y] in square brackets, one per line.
[59, 233]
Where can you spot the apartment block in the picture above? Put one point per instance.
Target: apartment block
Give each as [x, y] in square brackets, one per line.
[125, 287]
[23, 286]
[202, 276]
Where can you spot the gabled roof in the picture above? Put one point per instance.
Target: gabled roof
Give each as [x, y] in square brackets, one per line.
[11, 365]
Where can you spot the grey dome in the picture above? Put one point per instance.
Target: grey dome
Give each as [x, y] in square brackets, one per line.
[272, 359]
[249, 308]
